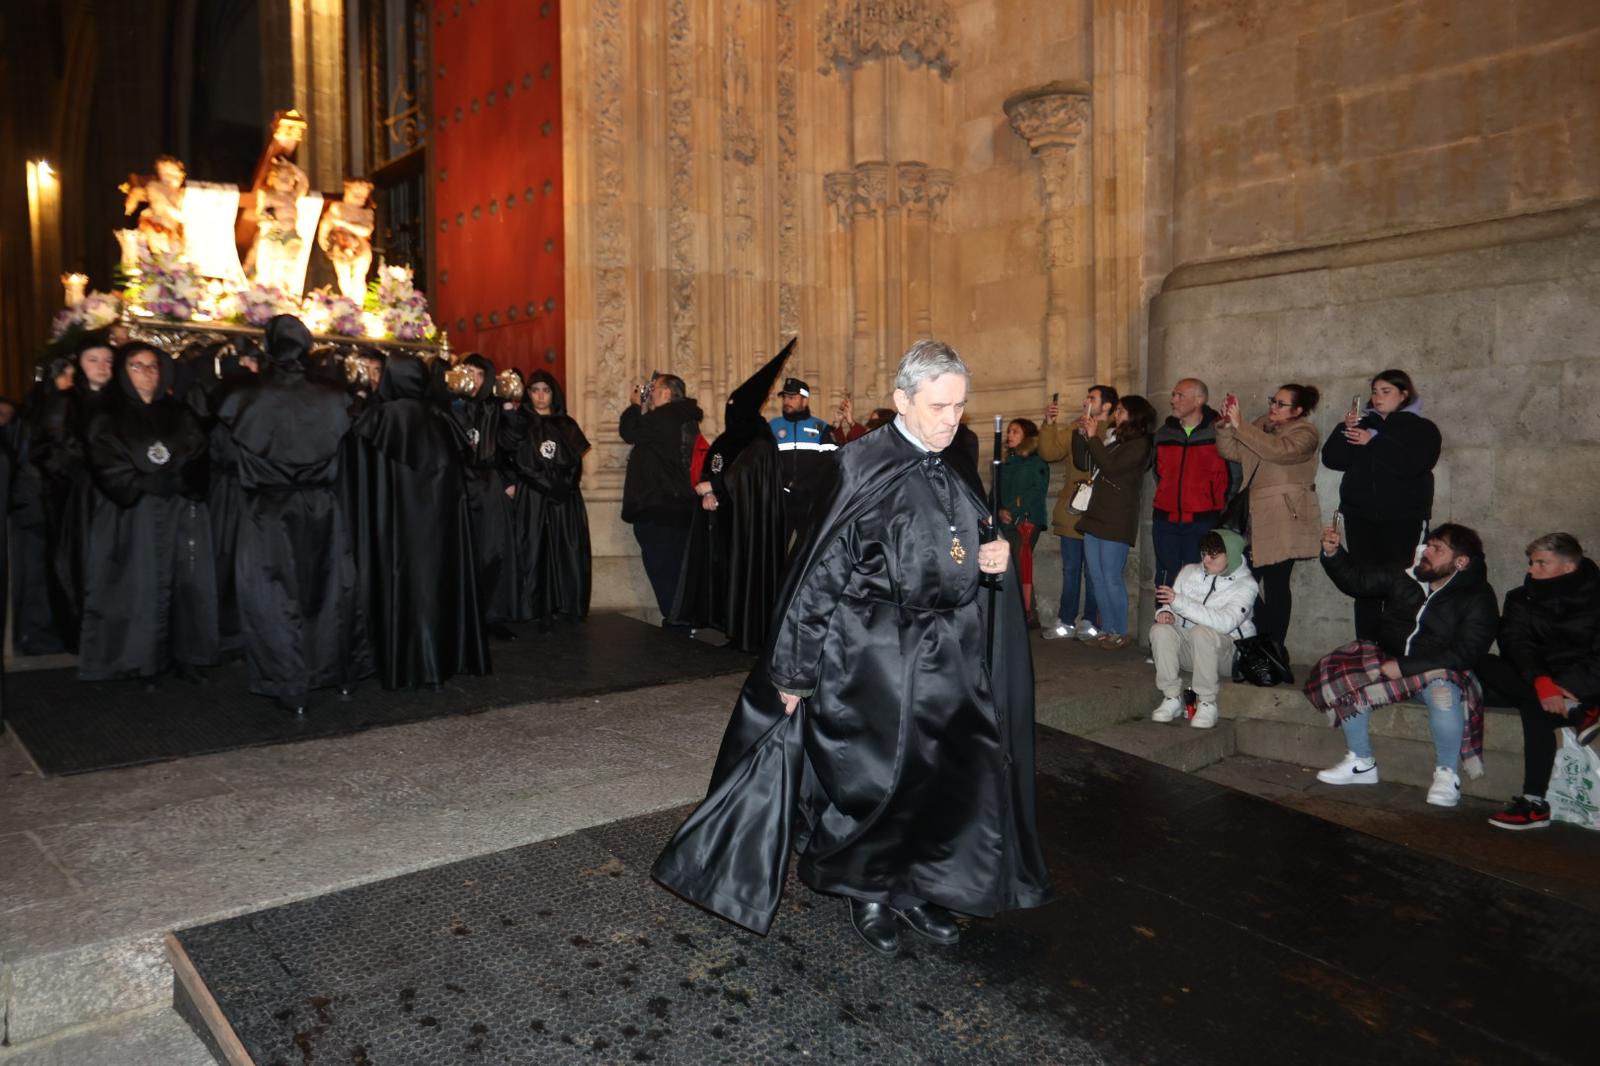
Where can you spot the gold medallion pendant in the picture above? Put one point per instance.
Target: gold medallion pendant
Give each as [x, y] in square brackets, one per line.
[957, 552]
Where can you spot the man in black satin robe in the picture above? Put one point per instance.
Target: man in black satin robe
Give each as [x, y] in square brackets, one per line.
[875, 736]
[296, 573]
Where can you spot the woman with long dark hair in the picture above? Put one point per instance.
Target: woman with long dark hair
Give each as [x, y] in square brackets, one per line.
[1387, 452]
[1118, 453]
[549, 520]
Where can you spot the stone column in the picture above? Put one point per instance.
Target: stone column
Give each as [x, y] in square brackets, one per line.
[1054, 120]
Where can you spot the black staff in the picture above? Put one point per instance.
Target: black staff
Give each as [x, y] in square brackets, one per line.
[992, 581]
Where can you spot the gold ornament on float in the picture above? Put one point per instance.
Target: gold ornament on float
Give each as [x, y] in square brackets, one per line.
[508, 384]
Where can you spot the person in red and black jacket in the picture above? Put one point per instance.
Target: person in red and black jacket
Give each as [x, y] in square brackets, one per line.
[1193, 481]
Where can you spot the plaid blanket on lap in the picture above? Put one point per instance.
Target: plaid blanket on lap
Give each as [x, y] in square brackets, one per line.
[1349, 680]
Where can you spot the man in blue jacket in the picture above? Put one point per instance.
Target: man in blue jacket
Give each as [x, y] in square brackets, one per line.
[804, 444]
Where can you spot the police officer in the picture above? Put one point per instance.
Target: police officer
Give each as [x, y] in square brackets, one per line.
[804, 444]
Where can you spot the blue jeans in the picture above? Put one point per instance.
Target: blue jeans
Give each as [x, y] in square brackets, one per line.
[1072, 570]
[1105, 560]
[1447, 719]
[1176, 544]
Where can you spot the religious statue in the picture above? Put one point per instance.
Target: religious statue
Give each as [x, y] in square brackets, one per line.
[276, 253]
[161, 225]
[345, 234]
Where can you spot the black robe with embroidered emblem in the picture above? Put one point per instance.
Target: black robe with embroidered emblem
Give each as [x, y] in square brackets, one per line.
[149, 583]
[908, 770]
[549, 520]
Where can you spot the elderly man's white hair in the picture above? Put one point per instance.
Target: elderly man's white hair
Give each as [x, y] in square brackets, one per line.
[924, 361]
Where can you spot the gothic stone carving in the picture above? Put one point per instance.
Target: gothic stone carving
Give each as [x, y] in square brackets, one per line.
[853, 32]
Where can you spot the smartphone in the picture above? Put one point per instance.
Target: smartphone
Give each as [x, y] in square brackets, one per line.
[1338, 523]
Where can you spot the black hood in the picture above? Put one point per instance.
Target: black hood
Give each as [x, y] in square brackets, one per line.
[558, 398]
[162, 361]
[288, 342]
[485, 391]
[405, 377]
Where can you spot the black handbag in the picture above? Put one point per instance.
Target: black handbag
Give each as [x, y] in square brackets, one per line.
[1257, 662]
[1236, 513]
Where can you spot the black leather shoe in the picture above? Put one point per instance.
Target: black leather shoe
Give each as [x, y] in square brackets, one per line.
[932, 921]
[874, 923]
[500, 632]
[346, 693]
[295, 705]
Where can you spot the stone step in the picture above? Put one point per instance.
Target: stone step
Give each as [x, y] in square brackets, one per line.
[1174, 744]
[157, 1036]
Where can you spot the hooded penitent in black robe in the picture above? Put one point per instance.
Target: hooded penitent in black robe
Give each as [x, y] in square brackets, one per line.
[215, 373]
[550, 523]
[85, 405]
[150, 589]
[413, 540]
[733, 568]
[296, 571]
[908, 773]
[477, 418]
[45, 453]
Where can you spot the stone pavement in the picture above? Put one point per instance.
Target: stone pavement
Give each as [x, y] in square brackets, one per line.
[95, 868]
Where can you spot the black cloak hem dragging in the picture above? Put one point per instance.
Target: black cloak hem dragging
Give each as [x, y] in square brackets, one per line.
[909, 772]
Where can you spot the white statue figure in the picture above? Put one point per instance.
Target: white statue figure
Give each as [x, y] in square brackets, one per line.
[346, 235]
[161, 225]
[276, 253]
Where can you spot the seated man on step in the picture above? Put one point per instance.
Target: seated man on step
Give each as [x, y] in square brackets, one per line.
[1549, 665]
[1438, 620]
[1199, 616]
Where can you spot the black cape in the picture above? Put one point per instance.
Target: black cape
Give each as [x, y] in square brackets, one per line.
[150, 588]
[413, 540]
[733, 566]
[296, 572]
[45, 455]
[477, 418]
[908, 772]
[212, 377]
[549, 519]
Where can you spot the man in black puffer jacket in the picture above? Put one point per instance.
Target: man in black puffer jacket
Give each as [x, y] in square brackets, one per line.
[658, 497]
[1439, 619]
[1549, 665]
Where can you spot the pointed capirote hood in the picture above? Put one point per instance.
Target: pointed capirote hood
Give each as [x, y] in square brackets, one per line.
[746, 401]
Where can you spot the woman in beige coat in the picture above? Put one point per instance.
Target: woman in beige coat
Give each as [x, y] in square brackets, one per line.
[1278, 456]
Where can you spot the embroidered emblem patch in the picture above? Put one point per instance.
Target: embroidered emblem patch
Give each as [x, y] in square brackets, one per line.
[547, 449]
[473, 436]
[157, 453]
[782, 433]
[716, 463]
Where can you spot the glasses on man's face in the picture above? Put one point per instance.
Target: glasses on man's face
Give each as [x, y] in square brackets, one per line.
[1279, 405]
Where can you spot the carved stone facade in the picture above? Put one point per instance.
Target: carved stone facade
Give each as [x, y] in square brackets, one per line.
[1018, 177]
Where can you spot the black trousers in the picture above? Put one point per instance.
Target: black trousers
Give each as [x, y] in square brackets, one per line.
[1393, 543]
[661, 549]
[1503, 685]
[1275, 601]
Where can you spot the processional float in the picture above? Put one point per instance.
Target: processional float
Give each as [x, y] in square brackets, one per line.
[209, 261]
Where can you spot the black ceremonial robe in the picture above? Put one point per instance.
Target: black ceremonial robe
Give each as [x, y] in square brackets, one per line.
[412, 536]
[478, 420]
[150, 589]
[733, 568]
[207, 390]
[296, 571]
[908, 772]
[549, 518]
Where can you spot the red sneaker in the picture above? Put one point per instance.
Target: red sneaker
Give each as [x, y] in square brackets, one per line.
[1522, 814]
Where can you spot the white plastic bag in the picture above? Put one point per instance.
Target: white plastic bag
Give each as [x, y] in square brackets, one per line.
[1574, 793]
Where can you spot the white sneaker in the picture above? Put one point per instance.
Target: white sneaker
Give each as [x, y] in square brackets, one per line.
[1171, 708]
[1088, 631]
[1446, 788]
[1059, 631]
[1205, 715]
[1350, 771]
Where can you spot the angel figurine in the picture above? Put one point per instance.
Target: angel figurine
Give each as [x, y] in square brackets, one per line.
[345, 234]
[161, 225]
[277, 248]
